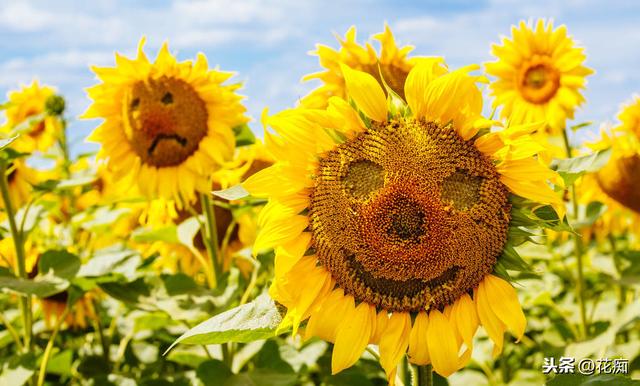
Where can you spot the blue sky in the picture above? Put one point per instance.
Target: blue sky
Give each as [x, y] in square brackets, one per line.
[267, 42]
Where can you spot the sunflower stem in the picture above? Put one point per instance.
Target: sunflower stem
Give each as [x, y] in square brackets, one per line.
[425, 375]
[49, 349]
[99, 330]
[12, 331]
[212, 235]
[616, 261]
[579, 248]
[21, 270]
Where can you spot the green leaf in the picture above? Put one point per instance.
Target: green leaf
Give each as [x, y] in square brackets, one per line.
[17, 370]
[93, 366]
[269, 358]
[152, 321]
[252, 321]
[104, 263]
[235, 192]
[60, 262]
[168, 234]
[179, 284]
[589, 214]
[127, 292]
[75, 182]
[262, 377]
[41, 286]
[244, 135]
[187, 231]
[511, 259]
[581, 125]
[213, 372]
[572, 168]
[7, 141]
[349, 377]
[618, 322]
[61, 363]
[591, 380]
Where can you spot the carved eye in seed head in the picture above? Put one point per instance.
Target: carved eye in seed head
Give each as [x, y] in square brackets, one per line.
[135, 103]
[167, 99]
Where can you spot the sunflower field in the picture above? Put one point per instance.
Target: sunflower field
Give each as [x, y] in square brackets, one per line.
[405, 223]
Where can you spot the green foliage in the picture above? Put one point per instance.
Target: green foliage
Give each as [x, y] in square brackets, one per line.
[572, 168]
[246, 323]
[244, 135]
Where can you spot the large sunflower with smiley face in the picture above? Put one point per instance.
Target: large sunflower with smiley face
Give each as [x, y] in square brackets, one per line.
[390, 222]
[167, 125]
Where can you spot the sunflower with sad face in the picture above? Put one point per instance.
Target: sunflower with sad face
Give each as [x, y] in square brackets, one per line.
[167, 125]
[390, 219]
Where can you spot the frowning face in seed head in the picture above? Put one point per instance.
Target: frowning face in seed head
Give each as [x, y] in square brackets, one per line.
[165, 121]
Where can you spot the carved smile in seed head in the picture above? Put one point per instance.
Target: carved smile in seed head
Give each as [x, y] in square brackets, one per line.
[165, 121]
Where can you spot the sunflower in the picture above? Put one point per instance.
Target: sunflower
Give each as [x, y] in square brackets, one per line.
[615, 185]
[21, 178]
[389, 221]
[53, 308]
[236, 226]
[540, 75]
[167, 125]
[26, 114]
[392, 63]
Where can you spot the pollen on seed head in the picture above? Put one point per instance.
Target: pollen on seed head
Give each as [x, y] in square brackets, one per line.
[408, 215]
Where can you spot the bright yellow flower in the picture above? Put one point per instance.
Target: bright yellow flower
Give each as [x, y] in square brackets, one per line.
[236, 230]
[392, 62]
[616, 184]
[78, 317]
[384, 220]
[21, 178]
[540, 75]
[8, 255]
[26, 116]
[168, 125]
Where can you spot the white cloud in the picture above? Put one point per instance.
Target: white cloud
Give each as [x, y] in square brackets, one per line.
[23, 17]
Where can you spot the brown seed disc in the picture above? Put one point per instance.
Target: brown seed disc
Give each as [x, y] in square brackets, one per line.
[408, 215]
[619, 180]
[539, 80]
[394, 76]
[165, 120]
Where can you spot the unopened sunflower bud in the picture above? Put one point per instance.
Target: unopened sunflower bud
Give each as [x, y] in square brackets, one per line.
[54, 105]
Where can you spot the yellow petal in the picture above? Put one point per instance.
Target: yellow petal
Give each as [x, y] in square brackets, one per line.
[382, 320]
[353, 336]
[394, 341]
[324, 323]
[423, 73]
[418, 344]
[491, 323]
[443, 349]
[465, 318]
[454, 97]
[504, 302]
[366, 92]
[290, 253]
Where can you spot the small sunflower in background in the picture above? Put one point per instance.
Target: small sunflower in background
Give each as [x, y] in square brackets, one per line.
[235, 221]
[82, 313]
[391, 62]
[27, 115]
[168, 125]
[21, 178]
[616, 184]
[389, 221]
[540, 75]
